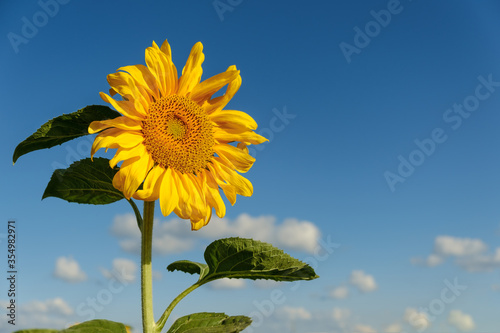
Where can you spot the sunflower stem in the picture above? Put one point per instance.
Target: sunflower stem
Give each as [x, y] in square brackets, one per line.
[137, 213]
[148, 322]
[163, 319]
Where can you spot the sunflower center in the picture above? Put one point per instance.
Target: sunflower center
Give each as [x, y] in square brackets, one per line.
[178, 134]
[177, 128]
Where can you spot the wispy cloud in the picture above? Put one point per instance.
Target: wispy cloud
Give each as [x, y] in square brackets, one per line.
[226, 283]
[122, 269]
[417, 319]
[293, 313]
[364, 282]
[461, 321]
[51, 313]
[175, 236]
[69, 270]
[469, 253]
[339, 292]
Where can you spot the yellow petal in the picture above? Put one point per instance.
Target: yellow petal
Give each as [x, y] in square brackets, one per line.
[161, 67]
[212, 195]
[197, 195]
[168, 193]
[123, 122]
[218, 103]
[243, 146]
[240, 160]
[207, 88]
[165, 48]
[240, 183]
[123, 154]
[126, 86]
[228, 190]
[191, 73]
[127, 108]
[134, 171]
[183, 208]
[115, 138]
[151, 186]
[198, 224]
[225, 136]
[142, 76]
[231, 119]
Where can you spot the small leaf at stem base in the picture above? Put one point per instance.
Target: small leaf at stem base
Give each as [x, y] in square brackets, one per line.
[210, 323]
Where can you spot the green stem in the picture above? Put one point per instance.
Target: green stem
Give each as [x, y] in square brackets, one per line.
[148, 322]
[163, 319]
[137, 213]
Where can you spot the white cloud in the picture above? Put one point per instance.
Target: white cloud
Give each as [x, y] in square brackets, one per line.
[291, 234]
[125, 226]
[293, 313]
[363, 329]
[226, 283]
[362, 281]
[454, 246]
[480, 263]
[175, 235]
[431, 260]
[51, 313]
[469, 253]
[122, 269]
[299, 235]
[461, 321]
[434, 260]
[267, 284]
[394, 328]
[341, 316]
[418, 320]
[54, 306]
[340, 292]
[69, 270]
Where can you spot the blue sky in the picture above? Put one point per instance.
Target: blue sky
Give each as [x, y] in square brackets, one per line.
[383, 125]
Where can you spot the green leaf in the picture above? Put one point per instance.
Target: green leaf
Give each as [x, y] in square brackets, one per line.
[97, 326]
[93, 326]
[85, 181]
[64, 128]
[205, 322]
[190, 267]
[37, 331]
[241, 258]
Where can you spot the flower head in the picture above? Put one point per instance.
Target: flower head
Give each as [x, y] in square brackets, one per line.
[175, 141]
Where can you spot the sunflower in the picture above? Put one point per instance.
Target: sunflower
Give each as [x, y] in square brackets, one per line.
[175, 141]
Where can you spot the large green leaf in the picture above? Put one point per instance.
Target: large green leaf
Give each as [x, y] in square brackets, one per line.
[205, 322]
[85, 181]
[63, 128]
[93, 326]
[190, 267]
[97, 326]
[246, 259]
[35, 330]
